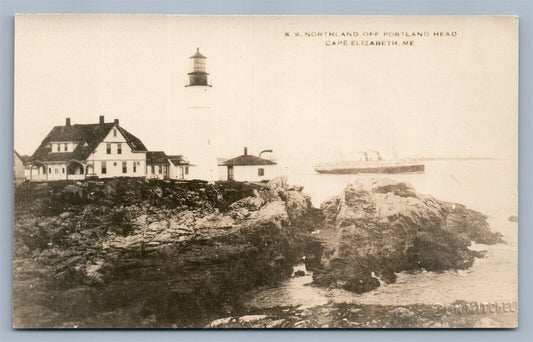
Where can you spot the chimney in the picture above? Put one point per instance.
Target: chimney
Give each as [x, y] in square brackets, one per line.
[246, 151]
[116, 122]
[67, 122]
[101, 119]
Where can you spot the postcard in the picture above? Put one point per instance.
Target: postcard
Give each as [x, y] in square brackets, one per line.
[265, 172]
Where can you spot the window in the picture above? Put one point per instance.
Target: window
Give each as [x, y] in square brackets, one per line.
[124, 167]
[104, 168]
[66, 147]
[134, 167]
[58, 147]
[260, 172]
[159, 167]
[114, 132]
[63, 170]
[153, 169]
[108, 148]
[119, 148]
[186, 170]
[49, 170]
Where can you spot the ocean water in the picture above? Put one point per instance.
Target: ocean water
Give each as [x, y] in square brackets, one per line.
[489, 186]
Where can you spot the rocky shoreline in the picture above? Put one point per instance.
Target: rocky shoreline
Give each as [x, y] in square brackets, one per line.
[136, 253]
[149, 253]
[384, 227]
[359, 316]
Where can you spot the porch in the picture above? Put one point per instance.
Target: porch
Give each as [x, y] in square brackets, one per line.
[72, 170]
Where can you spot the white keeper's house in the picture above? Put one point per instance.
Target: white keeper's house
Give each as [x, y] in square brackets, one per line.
[102, 150]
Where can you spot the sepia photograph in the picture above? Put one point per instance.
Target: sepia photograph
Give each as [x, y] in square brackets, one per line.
[265, 172]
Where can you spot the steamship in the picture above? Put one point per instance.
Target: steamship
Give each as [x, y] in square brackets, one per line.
[369, 162]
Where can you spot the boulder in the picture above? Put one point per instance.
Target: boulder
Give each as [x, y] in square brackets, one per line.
[329, 209]
[402, 313]
[272, 213]
[73, 193]
[65, 215]
[487, 322]
[298, 205]
[384, 227]
[278, 182]
[299, 273]
[251, 318]
[251, 203]
[220, 322]
[278, 323]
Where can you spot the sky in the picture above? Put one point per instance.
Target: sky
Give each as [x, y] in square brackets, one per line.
[454, 95]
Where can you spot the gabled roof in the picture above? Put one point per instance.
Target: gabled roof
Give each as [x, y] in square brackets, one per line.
[88, 138]
[156, 158]
[23, 158]
[247, 160]
[134, 143]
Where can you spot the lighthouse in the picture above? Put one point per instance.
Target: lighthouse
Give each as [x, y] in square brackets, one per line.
[201, 120]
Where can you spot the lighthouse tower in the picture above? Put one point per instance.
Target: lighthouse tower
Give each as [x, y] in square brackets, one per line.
[201, 122]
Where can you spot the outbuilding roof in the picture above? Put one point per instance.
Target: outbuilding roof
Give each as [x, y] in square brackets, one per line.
[178, 160]
[247, 160]
[88, 138]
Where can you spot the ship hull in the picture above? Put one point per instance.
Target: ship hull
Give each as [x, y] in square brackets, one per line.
[389, 169]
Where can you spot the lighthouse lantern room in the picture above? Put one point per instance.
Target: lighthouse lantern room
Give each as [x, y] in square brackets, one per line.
[198, 77]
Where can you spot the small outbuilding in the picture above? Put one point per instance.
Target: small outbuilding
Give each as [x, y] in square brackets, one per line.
[19, 167]
[179, 167]
[247, 167]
